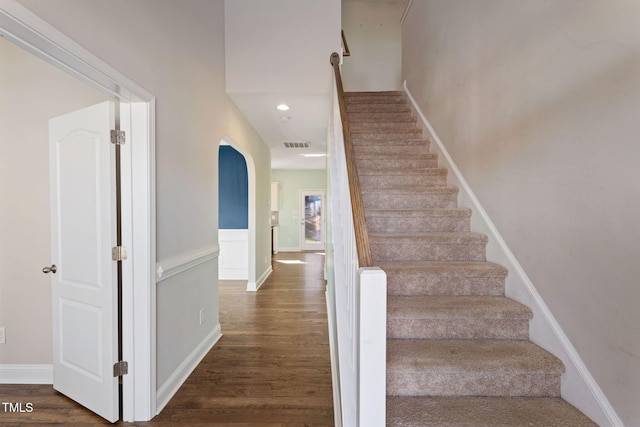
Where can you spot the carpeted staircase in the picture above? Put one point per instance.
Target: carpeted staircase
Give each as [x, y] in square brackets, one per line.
[458, 352]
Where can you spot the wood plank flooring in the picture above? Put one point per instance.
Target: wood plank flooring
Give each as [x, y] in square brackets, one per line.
[271, 367]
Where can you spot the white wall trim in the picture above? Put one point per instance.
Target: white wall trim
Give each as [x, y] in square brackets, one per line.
[184, 262]
[180, 375]
[544, 330]
[26, 374]
[254, 286]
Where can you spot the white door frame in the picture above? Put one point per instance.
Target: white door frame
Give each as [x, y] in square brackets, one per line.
[303, 245]
[23, 28]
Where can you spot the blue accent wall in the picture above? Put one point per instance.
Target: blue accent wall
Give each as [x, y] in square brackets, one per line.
[233, 181]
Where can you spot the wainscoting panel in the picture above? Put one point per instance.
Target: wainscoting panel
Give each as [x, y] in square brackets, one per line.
[234, 254]
[188, 322]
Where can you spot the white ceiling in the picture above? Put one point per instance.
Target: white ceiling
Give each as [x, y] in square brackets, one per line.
[306, 121]
[278, 52]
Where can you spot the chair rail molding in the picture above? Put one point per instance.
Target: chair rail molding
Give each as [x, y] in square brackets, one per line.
[184, 262]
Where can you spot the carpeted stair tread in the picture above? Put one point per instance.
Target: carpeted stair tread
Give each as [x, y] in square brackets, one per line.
[371, 97]
[412, 190]
[410, 223]
[391, 135]
[446, 269]
[414, 220]
[393, 178]
[421, 148]
[420, 246]
[374, 93]
[381, 116]
[406, 123]
[413, 172]
[481, 411]
[395, 142]
[373, 120]
[465, 367]
[455, 307]
[410, 197]
[444, 278]
[442, 238]
[457, 317]
[399, 156]
[377, 108]
[417, 167]
[407, 157]
[410, 213]
[458, 356]
[375, 99]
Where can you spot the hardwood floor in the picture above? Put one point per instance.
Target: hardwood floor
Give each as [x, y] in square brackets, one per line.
[270, 368]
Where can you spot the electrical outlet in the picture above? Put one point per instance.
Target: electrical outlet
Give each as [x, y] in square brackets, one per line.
[3, 336]
[201, 316]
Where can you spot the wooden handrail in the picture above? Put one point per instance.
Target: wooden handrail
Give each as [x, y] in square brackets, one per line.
[357, 206]
[345, 45]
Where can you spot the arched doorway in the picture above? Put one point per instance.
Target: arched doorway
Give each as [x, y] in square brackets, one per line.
[236, 214]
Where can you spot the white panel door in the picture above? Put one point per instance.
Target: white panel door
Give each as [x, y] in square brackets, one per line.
[312, 220]
[84, 284]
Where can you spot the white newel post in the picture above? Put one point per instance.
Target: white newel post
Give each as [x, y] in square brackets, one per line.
[373, 347]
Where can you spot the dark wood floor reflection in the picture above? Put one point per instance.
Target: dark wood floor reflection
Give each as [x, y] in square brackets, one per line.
[270, 368]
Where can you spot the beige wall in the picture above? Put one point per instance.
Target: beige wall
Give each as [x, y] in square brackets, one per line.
[374, 36]
[280, 46]
[175, 50]
[539, 105]
[31, 92]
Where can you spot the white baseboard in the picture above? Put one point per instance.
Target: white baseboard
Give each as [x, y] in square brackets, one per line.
[254, 286]
[290, 249]
[180, 375]
[26, 374]
[232, 274]
[578, 385]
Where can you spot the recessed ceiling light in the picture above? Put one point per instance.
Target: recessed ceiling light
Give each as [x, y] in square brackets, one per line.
[313, 155]
[283, 107]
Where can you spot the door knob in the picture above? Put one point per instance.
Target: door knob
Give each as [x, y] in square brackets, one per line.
[51, 269]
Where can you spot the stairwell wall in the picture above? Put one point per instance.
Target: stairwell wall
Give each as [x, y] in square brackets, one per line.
[374, 35]
[538, 103]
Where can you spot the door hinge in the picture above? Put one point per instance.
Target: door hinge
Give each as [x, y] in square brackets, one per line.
[120, 368]
[118, 253]
[117, 137]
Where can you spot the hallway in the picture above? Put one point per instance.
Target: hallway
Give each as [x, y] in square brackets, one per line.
[270, 368]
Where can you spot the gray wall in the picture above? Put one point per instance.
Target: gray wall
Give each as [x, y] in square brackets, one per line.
[539, 105]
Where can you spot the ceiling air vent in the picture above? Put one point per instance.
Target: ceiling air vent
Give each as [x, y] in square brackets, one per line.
[296, 144]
